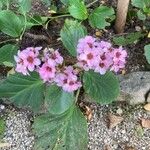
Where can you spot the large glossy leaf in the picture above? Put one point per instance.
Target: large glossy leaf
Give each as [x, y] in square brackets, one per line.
[147, 52]
[101, 88]
[7, 53]
[23, 90]
[97, 18]
[58, 101]
[78, 10]
[10, 23]
[67, 131]
[70, 35]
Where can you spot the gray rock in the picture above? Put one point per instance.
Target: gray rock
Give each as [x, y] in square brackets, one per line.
[134, 87]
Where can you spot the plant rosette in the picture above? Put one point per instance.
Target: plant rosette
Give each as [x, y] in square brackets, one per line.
[43, 79]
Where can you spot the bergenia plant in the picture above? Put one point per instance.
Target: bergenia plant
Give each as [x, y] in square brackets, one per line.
[53, 88]
[44, 81]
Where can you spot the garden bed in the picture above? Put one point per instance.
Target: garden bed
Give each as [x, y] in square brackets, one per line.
[116, 126]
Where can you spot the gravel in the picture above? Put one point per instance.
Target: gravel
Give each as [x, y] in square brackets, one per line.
[129, 133]
[18, 129]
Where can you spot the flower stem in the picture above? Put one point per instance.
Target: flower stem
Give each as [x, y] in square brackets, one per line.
[77, 95]
[9, 40]
[65, 15]
[25, 25]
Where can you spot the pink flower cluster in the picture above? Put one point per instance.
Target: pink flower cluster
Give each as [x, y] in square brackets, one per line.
[91, 54]
[47, 67]
[100, 56]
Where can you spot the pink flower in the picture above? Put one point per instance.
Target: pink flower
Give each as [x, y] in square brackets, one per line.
[56, 57]
[119, 59]
[53, 55]
[27, 60]
[47, 71]
[70, 71]
[101, 68]
[85, 43]
[60, 79]
[117, 66]
[119, 54]
[20, 66]
[88, 56]
[68, 80]
[31, 60]
[71, 85]
[105, 61]
[34, 49]
[105, 45]
[83, 64]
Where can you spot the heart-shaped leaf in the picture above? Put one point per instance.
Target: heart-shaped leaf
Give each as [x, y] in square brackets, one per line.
[67, 131]
[101, 88]
[58, 101]
[70, 35]
[24, 90]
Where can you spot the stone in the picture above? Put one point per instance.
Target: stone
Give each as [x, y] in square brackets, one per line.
[134, 87]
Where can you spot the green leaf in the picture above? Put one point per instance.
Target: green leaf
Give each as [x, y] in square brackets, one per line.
[78, 10]
[58, 101]
[147, 52]
[25, 5]
[7, 53]
[65, 2]
[101, 88]
[35, 21]
[128, 39]
[141, 3]
[138, 3]
[70, 35]
[67, 131]
[141, 15]
[24, 90]
[147, 9]
[10, 23]
[1, 5]
[97, 18]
